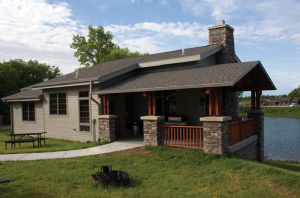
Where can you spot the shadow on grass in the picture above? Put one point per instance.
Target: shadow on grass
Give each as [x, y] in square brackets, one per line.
[284, 165]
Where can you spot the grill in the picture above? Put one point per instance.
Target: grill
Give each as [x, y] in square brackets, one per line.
[178, 120]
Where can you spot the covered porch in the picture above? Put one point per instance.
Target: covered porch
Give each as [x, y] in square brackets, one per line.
[205, 105]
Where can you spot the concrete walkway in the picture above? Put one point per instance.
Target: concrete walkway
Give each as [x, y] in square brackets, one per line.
[107, 148]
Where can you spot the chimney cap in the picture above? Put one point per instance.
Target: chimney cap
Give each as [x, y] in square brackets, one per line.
[220, 24]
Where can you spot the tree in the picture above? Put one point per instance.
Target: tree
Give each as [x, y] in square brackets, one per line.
[120, 53]
[295, 92]
[99, 44]
[17, 74]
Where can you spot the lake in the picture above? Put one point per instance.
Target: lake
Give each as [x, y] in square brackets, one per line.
[282, 138]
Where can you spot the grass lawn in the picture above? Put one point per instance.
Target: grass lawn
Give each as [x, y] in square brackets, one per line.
[288, 112]
[51, 145]
[156, 172]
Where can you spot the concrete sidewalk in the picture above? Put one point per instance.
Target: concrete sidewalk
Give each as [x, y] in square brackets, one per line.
[107, 148]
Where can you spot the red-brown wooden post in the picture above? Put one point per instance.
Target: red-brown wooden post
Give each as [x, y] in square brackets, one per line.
[107, 104]
[149, 103]
[104, 105]
[154, 103]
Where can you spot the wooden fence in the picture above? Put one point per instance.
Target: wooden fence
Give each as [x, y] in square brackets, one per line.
[182, 136]
[240, 130]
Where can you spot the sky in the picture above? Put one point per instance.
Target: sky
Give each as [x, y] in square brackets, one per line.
[265, 30]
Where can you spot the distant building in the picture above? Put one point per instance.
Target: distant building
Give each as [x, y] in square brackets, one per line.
[284, 101]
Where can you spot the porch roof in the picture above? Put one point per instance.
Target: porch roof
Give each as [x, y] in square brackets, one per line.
[221, 75]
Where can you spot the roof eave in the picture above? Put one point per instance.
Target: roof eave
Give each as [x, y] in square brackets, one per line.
[226, 84]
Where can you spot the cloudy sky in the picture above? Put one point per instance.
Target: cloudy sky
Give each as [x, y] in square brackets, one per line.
[265, 30]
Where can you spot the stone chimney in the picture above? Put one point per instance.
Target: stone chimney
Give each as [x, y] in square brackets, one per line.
[222, 34]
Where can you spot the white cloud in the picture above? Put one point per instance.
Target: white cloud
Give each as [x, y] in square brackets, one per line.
[158, 37]
[35, 29]
[254, 21]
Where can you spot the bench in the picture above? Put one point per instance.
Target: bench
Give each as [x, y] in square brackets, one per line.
[13, 142]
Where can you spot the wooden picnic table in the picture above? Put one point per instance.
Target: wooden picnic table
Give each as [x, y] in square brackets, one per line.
[20, 140]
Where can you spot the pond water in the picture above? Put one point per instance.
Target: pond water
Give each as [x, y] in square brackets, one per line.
[282, 138]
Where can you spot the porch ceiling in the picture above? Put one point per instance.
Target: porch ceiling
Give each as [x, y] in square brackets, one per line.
[222, 75]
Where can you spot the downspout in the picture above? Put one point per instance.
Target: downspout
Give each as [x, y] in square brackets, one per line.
[91, 98]
[11, 117]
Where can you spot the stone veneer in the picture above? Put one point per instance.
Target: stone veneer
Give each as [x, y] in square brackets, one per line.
[258, 116]
[231, 103]
[223, 35]
[107, 127]
[153, 130]
[249, 151]
[216, 134]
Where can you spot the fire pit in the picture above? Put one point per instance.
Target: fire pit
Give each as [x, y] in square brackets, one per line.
[107, 176]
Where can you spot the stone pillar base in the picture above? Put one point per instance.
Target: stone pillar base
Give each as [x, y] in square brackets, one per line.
[258, 116]
[107, 127]
[153, 130]
[216, 134]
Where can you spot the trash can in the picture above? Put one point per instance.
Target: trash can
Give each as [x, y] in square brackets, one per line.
[136, 128]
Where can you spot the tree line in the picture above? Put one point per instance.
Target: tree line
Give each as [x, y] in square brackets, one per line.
[17, 74]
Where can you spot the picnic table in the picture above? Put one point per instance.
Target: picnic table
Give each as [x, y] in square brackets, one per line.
[31, 139]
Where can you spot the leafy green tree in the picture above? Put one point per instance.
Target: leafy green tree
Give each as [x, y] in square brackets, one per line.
[120, 53]
[295, 92]
[17, 74]
[90, 51]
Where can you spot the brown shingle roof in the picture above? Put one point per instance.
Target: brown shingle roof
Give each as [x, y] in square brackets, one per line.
[28, 94]
[210, 76]
[282, 99]
[113, 66]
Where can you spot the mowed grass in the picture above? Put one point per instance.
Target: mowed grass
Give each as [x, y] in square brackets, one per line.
[156, 172]
[51, 145]
[289, 112]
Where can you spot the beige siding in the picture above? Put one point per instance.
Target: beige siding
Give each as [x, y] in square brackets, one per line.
[21, 126]
[65, 126]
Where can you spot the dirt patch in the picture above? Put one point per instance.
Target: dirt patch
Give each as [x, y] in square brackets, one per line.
[135, 151]
[279, 189]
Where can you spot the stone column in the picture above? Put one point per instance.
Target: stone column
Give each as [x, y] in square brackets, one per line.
[258, 116]
[216, 134]
[107, 127]
[153, 130]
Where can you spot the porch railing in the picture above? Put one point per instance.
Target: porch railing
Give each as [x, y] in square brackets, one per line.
[182, 136]
[240, 130]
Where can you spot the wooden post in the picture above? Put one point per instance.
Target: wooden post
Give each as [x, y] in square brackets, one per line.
[258, 95]
[103, 101]
[154, 103]
[252, 100]
[149, 103]
[107, 106]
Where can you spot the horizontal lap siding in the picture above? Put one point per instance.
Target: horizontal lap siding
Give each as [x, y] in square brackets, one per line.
[62, 126]
[21, 126]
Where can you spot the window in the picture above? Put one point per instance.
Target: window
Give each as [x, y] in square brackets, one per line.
[58, 104]
[28, 113]
[84, 111]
